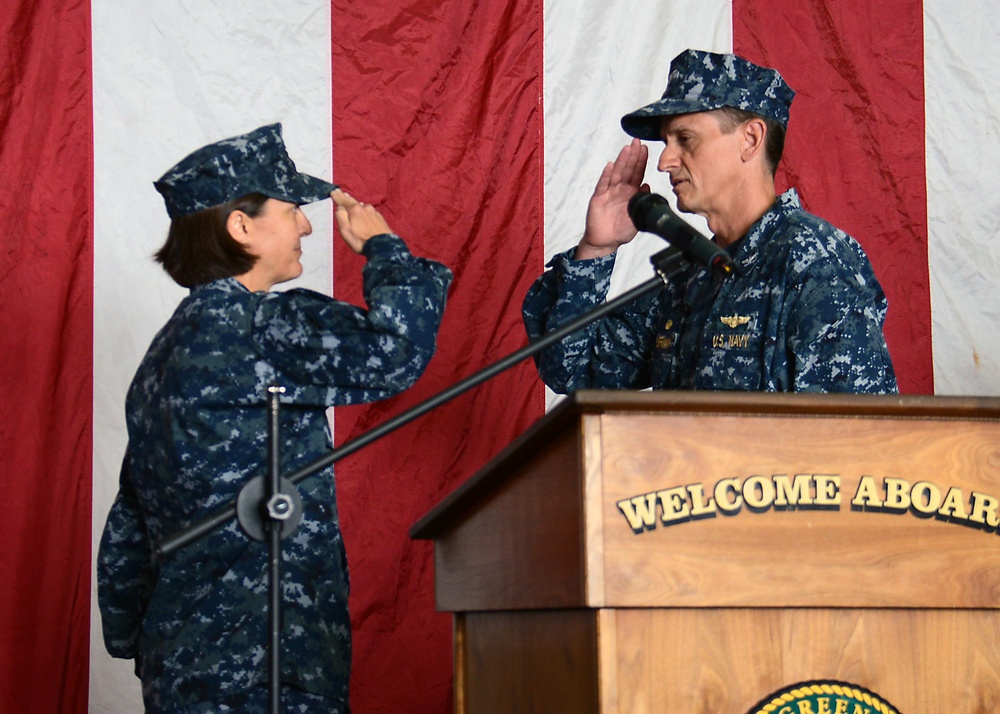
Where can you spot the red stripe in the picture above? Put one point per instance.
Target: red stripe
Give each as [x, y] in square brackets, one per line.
[855, 147]
[46, 318]
[437, 121]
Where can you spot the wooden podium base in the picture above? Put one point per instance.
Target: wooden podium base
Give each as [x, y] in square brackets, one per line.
[721, 661]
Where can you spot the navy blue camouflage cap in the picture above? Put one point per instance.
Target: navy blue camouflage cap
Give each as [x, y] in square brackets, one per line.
[256, 162]
[701, 81]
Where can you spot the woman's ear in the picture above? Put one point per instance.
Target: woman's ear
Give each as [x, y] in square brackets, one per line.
[239, 227]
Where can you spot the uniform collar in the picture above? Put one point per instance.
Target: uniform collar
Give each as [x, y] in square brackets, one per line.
[746, 250]
[223, 285]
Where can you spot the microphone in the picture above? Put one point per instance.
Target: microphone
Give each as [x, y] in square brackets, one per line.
[651, 213]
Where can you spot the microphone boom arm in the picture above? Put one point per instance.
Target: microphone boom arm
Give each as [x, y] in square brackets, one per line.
[667, 263]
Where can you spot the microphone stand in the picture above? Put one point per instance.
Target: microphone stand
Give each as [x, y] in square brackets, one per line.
[277, 510]
[272, 510]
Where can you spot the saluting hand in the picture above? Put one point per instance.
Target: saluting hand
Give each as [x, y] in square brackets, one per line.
[356, 221]
[608, 222]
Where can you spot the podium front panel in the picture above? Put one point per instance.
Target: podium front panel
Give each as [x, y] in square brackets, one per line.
[772, 511]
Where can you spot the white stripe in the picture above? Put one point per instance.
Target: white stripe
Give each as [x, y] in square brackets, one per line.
[170, 77]
[962, 87]
[602, 60]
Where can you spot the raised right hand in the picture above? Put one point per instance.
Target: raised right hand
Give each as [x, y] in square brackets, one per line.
[357, 221]
[608, 223]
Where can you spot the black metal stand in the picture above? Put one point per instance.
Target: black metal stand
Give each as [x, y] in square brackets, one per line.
[270, 508]
[279, 507]
[277, 511]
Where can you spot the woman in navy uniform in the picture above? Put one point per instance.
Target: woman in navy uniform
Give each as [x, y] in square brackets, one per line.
[196, 623]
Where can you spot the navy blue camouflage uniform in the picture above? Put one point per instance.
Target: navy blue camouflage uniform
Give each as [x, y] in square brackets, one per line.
[196, 412]
[804, 314]
[196, 623]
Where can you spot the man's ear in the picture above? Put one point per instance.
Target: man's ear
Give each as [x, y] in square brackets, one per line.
[239, 226]
[754, 135]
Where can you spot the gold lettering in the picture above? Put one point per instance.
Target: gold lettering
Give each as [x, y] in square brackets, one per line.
[858, 709]
[699, 506]
[897, 494]
[792, 493]
[867, 494]
[954, 505]
[675, 505]
[984, 510]
[732, 486]
[785, 710]
[639, 511]
[824, 705]
[827, 489]
[925, 497]
[805, 707]
[758, 492]
[841, 707]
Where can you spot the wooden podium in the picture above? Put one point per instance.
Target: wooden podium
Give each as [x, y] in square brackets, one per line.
[695, 553]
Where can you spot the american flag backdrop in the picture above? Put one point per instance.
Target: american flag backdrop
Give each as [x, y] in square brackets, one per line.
[479, 129]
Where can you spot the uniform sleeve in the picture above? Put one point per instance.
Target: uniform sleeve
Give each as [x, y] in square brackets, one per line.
[835, 334]
[350, 354]
[125, 573]
[612, 353]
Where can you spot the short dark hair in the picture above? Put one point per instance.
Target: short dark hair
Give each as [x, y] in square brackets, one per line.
[199, 248]
[774, 141]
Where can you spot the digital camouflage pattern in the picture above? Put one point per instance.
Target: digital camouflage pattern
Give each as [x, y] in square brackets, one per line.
[257, 701]
[805, 314]
[702, 81]
[196, 411]
[256, 162]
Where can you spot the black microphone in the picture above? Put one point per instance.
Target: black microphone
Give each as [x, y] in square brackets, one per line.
[651, 213]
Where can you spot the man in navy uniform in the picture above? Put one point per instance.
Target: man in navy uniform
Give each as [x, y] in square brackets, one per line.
[803, 313]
